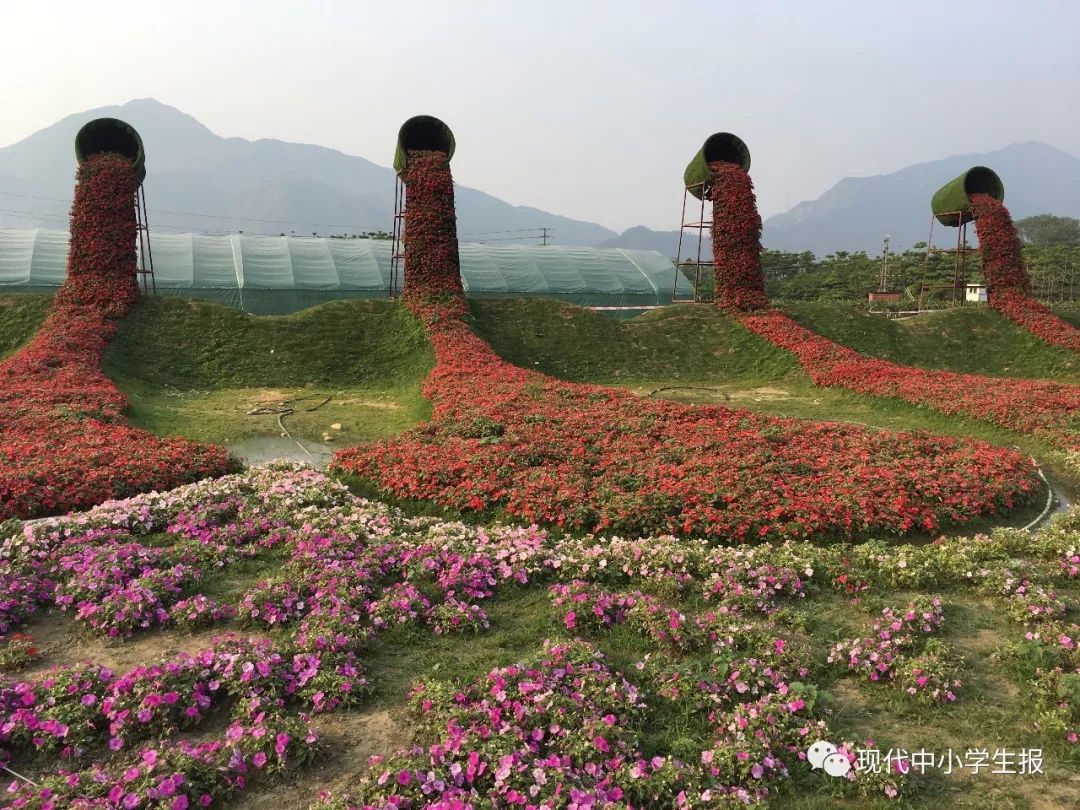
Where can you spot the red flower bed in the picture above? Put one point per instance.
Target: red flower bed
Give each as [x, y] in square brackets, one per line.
[594, 458]
[1050, 410]
[1007, 280]
[1037, 319]
[736, 238]
[63, 443]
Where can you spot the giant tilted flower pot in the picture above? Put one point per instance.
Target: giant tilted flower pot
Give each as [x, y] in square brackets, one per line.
[951, 203]
[718, 147]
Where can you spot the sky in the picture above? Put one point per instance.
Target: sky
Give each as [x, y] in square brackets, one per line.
[588, 109]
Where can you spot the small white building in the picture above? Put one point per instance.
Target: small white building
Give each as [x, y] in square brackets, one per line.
[976, 294]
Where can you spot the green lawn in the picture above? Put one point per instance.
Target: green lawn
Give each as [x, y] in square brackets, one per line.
[197, 368]
[20, 317]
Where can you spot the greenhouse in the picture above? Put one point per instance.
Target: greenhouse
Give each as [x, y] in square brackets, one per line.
[277, 275]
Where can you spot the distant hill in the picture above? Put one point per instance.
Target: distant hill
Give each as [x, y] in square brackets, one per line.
[856, 212]
[270, 186]
[263, 186]
[666, 242]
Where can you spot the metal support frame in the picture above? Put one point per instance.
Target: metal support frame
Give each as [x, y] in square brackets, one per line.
[959, 263]
[696, 263]
[397, 250]
[146, 254]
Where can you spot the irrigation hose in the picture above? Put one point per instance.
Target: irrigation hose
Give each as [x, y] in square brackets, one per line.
[282, 409]
[286, 432]
[1049, 500]
[19, 775]
[690, 388]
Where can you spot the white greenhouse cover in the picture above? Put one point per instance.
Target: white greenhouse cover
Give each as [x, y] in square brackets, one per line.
[285, 273]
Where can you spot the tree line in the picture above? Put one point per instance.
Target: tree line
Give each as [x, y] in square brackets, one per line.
[1051, 252]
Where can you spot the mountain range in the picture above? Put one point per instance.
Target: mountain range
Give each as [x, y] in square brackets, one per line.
[197, 180]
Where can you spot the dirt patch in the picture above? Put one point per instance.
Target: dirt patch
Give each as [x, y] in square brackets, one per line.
[346, 741]
[710, 394]
[265, 395]
[849, 696]
[985, 641]
[1051, 795]
[762, 394]
[62, 641]
[369, 403]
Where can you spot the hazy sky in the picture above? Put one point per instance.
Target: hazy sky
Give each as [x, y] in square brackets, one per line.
[589, 109]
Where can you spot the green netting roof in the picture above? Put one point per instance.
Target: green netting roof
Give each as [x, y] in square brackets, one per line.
[266, 274]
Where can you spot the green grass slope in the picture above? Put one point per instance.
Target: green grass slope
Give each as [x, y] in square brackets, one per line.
[197, 368]
[968, 339]
[684, 342]
[1071, 315]
[700, 343]
[169, 341]
[20, 317]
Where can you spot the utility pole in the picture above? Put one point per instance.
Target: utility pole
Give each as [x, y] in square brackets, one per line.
[544, 236]
[883, 280]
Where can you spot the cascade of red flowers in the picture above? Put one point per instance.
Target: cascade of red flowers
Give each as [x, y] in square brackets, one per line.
[1046, 409]
[595, 458]
[432, 266]
[1050, 410]
[63, 443]
[1007, 279]
[736, 239]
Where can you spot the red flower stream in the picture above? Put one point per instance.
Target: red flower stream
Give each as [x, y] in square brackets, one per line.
[1007, 280]
[63, 441]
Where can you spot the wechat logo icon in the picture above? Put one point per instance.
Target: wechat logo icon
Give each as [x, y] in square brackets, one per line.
[823, 754]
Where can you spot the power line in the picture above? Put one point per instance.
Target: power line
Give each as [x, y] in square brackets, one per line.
[507, 230]
[210, 216]
[33, 197]
[541, 233]
[34, 213]
[502, 239]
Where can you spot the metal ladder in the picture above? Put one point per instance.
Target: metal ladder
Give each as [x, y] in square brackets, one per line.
[145, 268]
[397, 250]
[694, 263]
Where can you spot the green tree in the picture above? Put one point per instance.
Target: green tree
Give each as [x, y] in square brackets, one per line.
[1046, 230]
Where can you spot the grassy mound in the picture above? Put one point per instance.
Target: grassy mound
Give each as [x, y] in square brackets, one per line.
[701, 343]
[696, 343]
[197, 368]
[20, 317]
[974, 340]
[169, 341]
